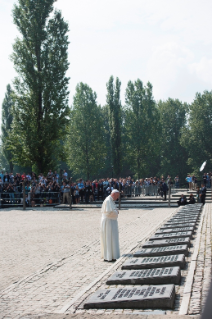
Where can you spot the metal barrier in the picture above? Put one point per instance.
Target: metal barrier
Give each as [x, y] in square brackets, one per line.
[31, 199]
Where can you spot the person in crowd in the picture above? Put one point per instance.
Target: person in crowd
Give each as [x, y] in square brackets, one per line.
[204, 178]
[6, 178]
[182, 201]
[191, 199]
[28, 177]
[164, 188]
[81, 189]
[110, 250]
[177, 181]
[203, 194]
[65, 175]
[77, 194]
[198, 195]
[189, 181]
[87, 191]
[91, 197]
[66, 193]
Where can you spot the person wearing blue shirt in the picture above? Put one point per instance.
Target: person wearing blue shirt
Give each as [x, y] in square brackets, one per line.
[81, 187]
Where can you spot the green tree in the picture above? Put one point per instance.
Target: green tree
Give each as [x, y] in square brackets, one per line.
[173, 155]
[115, 122]
[85, 144]
[41, 89]
[197, 135]
[142, 127]
[7, 118]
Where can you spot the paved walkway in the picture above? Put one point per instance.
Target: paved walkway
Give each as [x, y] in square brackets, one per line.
[50, 256]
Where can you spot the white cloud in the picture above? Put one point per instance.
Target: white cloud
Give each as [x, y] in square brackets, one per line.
[203, 70]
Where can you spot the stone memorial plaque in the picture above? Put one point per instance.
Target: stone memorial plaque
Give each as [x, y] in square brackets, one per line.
[172, 230]
[168, 275]
[162, 251]
[182, 219]
[167, 242]
[154, 262]
[141, 297]
[187, 215]
[177, 225]
[172, 235]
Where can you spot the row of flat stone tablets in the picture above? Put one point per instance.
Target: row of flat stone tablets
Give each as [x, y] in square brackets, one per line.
[149, 277]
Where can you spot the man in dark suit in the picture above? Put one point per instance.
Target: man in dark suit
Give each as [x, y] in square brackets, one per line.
[182, 201]
[203, 194]
[164, 189]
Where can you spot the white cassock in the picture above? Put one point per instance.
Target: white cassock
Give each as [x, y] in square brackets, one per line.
[109, 230]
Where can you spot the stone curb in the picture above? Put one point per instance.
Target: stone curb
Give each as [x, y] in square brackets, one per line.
[190, 277]
[111, 316]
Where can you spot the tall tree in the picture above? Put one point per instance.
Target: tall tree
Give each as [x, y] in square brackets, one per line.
[197, 135]
[173, 155]
[41, 89]
[85, 143]
[7, 118]
[142, 129]
[115, 122]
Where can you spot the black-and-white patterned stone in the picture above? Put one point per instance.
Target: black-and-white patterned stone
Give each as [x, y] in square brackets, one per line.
[155, 276]
[141, 297]
[162, 251]
[172, 235]
[167, 242]
[155, 262]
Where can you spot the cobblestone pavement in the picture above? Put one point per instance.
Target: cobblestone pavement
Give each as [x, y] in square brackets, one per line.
[48, 256]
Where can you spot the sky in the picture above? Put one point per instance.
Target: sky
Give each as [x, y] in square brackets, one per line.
[166, 42]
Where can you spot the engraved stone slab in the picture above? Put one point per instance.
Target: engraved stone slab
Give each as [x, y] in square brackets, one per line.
[172, 230]
[182, 219]
[162, 251]
[154, 262]
[142, 297]
[177, 225]
[167, 242]
[172, 235]
[168, 275]
[187, 215]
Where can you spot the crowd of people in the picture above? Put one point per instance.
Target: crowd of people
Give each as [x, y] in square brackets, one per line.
[55, 188]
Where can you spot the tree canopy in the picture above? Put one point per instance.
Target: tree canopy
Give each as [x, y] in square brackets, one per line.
[41, 110]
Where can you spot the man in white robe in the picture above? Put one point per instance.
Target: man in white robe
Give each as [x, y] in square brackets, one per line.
[109, 228]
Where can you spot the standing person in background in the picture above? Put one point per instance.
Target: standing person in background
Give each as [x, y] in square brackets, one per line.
[87, 192]
[109, 228]
[177, 181]
[203, 194]
[164, 188]
[81, 189]
[204, 177]
[189, 181]
[193, 182]
[198, 195]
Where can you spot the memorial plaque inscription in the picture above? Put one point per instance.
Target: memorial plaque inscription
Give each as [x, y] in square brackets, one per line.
[177, 225]
[162, 251]
[173, 230]
[172, 235]
[154, 262]
[168, 275]
[167, 242]
[143, 297]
